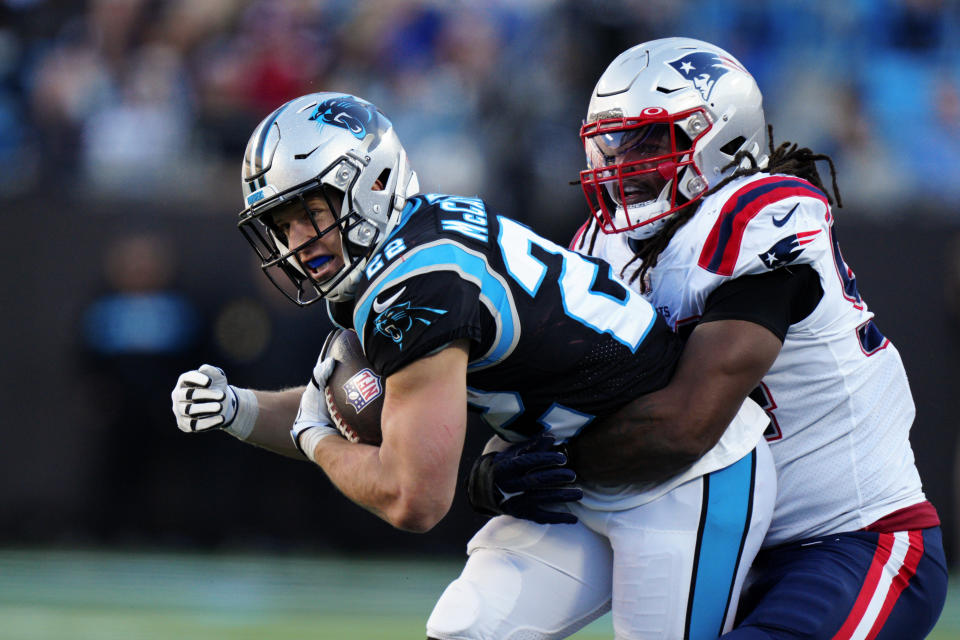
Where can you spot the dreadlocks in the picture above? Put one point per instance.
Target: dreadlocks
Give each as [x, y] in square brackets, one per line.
[786, 159]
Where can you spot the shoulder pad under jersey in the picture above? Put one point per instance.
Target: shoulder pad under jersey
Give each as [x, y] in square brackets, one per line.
[763, 224]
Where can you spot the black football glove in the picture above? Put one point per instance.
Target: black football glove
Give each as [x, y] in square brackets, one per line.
[523, 479]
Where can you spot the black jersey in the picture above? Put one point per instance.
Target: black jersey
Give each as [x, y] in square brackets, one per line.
[555, 338]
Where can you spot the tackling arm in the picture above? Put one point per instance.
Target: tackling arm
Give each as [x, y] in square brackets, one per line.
[659, 434]
[410, 479]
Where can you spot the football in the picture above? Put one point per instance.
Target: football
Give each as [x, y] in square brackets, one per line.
[354, 392]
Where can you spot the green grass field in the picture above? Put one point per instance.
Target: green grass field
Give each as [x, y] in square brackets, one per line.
[57, 595]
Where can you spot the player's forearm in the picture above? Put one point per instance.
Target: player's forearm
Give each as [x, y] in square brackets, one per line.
[366, 475]
[410, 479]
[649, 440]
[660, 434]
[277, 411]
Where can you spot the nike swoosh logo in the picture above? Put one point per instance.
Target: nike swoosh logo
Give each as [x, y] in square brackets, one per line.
[782, 221]
[380, 307]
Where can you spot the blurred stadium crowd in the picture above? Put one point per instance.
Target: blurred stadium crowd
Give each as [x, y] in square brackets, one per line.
[148, 98]
[129, 118]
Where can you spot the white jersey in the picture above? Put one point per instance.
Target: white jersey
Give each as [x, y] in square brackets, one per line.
[837, 394]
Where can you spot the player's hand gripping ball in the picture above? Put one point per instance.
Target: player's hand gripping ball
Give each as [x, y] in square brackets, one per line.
[354, 392]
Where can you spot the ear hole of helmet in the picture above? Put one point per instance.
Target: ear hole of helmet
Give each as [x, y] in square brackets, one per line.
[733, 146]
[381, 182]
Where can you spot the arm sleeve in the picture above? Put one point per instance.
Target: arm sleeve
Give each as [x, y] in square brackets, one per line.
[773, 300]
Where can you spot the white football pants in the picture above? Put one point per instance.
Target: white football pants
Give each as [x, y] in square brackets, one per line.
[669, 569]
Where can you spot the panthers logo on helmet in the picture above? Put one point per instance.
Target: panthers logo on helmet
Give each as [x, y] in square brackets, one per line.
[352, 115]
[398, 319]
[703, 69]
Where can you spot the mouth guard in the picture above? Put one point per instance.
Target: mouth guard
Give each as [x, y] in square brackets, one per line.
[319, 261]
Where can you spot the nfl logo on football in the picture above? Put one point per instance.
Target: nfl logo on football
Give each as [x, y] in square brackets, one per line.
[362, 389]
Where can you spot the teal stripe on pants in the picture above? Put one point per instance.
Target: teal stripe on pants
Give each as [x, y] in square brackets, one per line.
[724, 523]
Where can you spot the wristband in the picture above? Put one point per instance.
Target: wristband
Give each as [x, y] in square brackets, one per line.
[306, 437]
[246, 415]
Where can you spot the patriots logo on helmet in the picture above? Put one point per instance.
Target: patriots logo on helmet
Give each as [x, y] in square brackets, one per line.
[346, 113]
[703, 69]
[362, 388]
[786, 250]
[398, 319]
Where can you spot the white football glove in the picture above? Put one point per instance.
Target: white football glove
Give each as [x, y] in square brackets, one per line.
[203, 401]
[313, 422]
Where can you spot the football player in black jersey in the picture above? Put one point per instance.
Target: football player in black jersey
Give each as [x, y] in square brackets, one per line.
[455, 306]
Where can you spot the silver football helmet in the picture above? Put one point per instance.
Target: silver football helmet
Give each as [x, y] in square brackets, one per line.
[664, 123]
[336, 146]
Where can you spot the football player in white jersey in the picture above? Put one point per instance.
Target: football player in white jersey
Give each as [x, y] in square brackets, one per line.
[733, 242]
[444, 294]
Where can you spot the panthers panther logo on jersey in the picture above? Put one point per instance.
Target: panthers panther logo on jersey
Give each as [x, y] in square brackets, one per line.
[397, 320]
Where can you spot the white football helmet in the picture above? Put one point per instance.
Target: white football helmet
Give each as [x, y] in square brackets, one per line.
[329, 144]
[665, 119]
